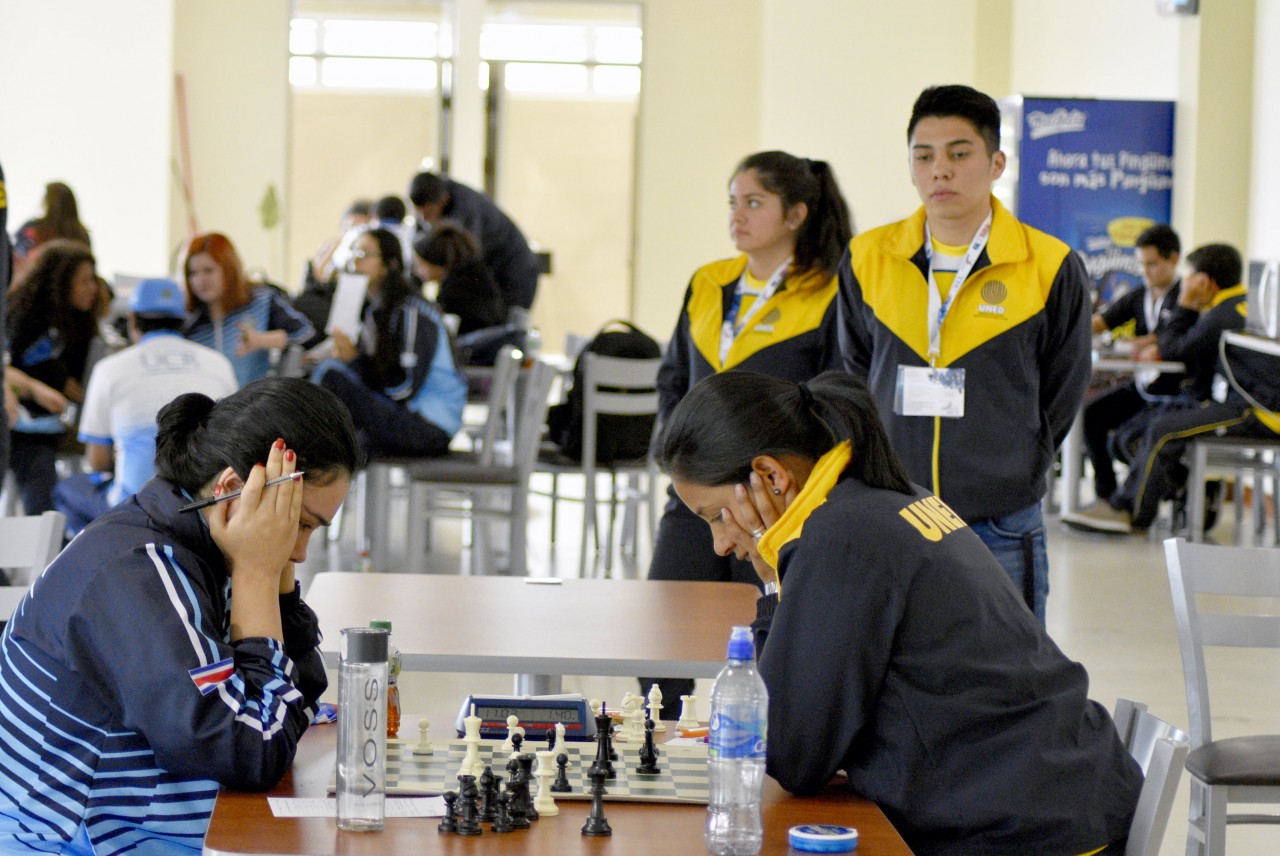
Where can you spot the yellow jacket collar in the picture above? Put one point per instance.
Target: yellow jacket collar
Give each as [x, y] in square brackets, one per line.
[1225, 294]
[1007, 243]
[826, 472]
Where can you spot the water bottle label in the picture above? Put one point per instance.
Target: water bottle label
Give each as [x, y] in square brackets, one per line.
[738, 732]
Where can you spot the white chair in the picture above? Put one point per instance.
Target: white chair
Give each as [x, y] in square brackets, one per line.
[373, 487]
[1235, 769]
[1160, 750]
[611, 386]
[27, 546]
[486, 489]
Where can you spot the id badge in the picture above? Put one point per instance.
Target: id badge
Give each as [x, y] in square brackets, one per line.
[927, 391]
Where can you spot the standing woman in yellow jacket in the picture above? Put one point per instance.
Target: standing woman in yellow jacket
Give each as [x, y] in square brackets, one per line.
[771, 309]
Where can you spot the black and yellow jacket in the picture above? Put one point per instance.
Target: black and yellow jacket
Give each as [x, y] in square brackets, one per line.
[793, 336]
[901, 653]
[1191, 337]
[1019, 328]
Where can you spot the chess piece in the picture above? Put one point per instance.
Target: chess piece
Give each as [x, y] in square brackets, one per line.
[488, 793]
[526, 777]
[648, 752]
[545, 804]
[447, 823]
[559, 734]
[632, 718]
[604, 748]
[424, 746]
[655, 707]
[513, 722]
[561, 784]
[595, 705]
[517, 797]
[517, 740]
[467, 823]
[471, 761]
[551, 740]
[596, 823]
[502, 820]
[688, 719]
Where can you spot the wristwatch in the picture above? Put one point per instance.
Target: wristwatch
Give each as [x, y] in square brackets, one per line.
[771, 587]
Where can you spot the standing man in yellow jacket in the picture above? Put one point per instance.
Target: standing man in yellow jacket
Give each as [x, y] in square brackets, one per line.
[972, 330]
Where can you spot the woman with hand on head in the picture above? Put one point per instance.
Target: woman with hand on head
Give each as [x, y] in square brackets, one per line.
[771, 309]
[399, 380]
[52, 321]
[167, 652]
[233, 316]
[887, 625]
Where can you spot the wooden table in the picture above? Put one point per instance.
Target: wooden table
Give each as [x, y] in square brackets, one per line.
[537, 628]
[243, 824]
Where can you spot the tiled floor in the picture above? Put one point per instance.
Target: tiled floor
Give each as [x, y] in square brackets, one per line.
[1109, 608]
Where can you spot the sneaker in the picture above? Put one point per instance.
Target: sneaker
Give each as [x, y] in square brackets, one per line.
[1100, 517]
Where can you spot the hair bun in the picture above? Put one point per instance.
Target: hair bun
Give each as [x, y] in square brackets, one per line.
[184, 415]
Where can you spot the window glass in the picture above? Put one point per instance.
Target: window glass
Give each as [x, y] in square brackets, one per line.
[364, 73]
[379, 38]
[557, 43]
[546, 78]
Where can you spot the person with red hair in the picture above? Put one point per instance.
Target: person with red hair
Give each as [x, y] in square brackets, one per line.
[232, 315]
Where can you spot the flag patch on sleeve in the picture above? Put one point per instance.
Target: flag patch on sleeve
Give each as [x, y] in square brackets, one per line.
[207, 678]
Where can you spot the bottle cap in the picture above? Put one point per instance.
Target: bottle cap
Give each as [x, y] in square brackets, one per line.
[823, 838]
[363, 645]
[381, 623]
[741, 646]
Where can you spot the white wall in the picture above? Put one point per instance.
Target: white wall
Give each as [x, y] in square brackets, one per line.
[1264, 208]
[85, 96]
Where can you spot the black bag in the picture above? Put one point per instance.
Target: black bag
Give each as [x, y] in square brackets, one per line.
[619, 438]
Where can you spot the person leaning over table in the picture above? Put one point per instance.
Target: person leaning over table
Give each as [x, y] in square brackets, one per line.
[164, 654]
[893, 645]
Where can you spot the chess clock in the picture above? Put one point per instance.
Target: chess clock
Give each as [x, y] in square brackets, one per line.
[536, 715]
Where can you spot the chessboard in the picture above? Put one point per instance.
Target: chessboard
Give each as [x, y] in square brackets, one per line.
[683, 778]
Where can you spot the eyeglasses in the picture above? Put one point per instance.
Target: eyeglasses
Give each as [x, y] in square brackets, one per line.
[364, 254]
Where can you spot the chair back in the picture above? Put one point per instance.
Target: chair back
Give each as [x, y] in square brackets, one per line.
[502, 384]
[1160, 750]
[1237, 572]
[532, 419]
[29, 544]
[615, 386]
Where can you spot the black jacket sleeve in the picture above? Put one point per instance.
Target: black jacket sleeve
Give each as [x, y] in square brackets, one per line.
[854, 339]
[673, 375]
[1066, 361]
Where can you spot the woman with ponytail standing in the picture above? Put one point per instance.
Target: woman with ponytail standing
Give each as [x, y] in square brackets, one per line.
[771, 309]
[888, 627]
[166, 652]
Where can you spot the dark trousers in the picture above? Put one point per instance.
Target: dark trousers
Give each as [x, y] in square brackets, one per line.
[82, 498]
[684, 550]
[1159, 471]
[385, 427]
[32, 460]
[1102, 415]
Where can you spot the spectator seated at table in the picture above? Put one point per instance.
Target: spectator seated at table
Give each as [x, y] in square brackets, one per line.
[893, 645]
[124, 394]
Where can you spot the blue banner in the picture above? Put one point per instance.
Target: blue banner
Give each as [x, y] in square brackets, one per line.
[1096, 174]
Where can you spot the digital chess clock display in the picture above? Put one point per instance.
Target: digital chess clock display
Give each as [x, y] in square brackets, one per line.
[535, 715]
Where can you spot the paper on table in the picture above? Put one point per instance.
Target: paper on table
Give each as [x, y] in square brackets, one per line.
[320, 807]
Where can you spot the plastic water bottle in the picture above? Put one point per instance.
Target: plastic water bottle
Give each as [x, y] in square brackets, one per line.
[739, 727]
[393, 682]
[362, 732]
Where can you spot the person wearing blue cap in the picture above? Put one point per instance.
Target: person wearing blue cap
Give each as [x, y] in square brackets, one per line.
[126, 391]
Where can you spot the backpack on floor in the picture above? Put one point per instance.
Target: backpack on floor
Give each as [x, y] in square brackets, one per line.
[618, 437]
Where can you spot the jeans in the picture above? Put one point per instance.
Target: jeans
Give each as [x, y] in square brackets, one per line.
[82, 498]
[1017, 540]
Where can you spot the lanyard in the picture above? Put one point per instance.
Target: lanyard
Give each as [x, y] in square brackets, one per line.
[937, 309]
[732, 324]
[1151, 309]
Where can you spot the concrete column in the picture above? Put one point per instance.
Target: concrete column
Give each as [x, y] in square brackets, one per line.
[466, 134]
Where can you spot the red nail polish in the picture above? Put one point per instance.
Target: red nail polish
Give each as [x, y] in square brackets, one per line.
[289, 456]
[279, 444]
[217, 490]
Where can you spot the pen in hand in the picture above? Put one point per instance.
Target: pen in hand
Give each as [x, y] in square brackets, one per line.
[205, 503]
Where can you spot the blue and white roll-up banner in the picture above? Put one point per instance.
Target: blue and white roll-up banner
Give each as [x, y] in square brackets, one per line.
[1096, 174]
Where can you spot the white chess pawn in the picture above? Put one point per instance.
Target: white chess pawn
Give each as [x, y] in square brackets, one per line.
[424, 746]
[688, 704]
[513, 722]
[655, 707]
[595, 706]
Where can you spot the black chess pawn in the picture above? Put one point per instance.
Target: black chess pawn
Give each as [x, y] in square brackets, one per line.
[561, 784]
[648, 752]
[466, 823]
[526, 776]
[596, 823]
[448, 823]
[517, 740]
[502, 820]
[551, 740]
[488, 792]
[516, 795]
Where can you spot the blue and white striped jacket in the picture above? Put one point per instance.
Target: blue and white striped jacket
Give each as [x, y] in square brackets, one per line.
[123, 703]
